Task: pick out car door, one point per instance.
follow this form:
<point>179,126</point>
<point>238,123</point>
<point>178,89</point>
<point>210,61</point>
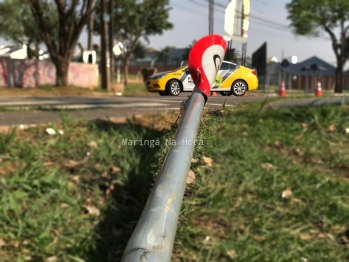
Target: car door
<point>187,80</point>
<point>225,74</point>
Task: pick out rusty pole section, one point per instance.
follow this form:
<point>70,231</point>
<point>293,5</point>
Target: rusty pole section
<point>153,237</point>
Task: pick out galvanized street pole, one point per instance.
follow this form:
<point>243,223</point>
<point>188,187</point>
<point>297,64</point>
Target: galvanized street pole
<point>153,237</point>
<point>210,16</point>
<point>243,54</point>
<point>105,52</point>
<point>155,232</point>
<point>111,38</point>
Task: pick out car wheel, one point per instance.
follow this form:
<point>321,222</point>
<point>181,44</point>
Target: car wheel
<point>163,93</point>
<point>239,88</point>
<point>226,93</point>
<point>173,87</point>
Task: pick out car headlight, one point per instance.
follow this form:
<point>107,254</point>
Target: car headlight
<point>157,76</point>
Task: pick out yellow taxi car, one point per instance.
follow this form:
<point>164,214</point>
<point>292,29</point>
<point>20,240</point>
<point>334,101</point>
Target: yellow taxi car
<point>232,79</point>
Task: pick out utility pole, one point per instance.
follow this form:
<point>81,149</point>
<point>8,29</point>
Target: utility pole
<point>111,38</point>
<point>105,57</point>
<point>243,55</point>
<point>230,50</point>
<point>210,16</point>
<point>90,33</point>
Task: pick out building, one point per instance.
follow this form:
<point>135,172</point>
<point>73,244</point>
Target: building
<point>304,75</point>
<point>13,52</point>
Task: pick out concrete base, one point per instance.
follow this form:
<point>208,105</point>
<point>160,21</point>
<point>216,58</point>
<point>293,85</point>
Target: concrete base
<point>117,87</point>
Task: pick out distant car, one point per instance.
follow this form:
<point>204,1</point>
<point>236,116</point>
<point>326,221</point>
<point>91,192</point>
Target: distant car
<point>232,79</point>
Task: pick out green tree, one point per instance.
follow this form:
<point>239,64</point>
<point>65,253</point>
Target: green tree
<point>232,55</point>
<point>17,25</point>
<point>134,20</point>
<point>139,51</point>
<point>311,17</point>
<point>164,54</point>
<point>61,35</point>
<point>187,51</point>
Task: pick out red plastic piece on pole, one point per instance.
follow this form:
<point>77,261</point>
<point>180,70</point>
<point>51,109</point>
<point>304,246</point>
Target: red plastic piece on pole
<point>205,59</point>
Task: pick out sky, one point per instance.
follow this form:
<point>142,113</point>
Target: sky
<point>268,23</point>
<point>190,19</point>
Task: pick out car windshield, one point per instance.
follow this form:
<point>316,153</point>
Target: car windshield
<point>225,66</point>
<point>183,67</point>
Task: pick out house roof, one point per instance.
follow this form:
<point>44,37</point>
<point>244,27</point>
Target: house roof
<point>151,50</point>
<point>310,66</point>
<point>13,52</point>
<point>5,51</point>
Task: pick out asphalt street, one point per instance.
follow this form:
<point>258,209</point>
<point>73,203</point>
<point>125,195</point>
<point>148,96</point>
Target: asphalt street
<point>49,109</point>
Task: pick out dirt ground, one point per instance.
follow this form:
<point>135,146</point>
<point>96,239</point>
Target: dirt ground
<point>51,91</point>
<point>154,121</point>
<point>149,120</point>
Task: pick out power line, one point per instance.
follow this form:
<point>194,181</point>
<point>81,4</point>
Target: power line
<point>189,10</point>
<point>254,16</point>
<point>269,23</point>
<point>222,19</point>
<point>197,3</point>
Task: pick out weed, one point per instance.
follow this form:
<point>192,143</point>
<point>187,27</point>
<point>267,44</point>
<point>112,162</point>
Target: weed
<point>224,107</point>
<point>137,89</point>
<point>276,190</point>
<point>46,87</point>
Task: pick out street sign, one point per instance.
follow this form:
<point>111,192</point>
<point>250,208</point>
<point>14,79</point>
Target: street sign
<point>205,60</point>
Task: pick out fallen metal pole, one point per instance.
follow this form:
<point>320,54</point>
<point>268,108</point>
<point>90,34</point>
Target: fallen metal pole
<point>153,237</point>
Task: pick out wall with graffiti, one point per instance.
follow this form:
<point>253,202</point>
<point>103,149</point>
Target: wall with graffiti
<point>33,73</point>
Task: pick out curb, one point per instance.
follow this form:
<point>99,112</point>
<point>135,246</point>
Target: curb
<point>309,102</point>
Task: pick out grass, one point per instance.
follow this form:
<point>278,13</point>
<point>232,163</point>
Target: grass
<point>73,196</point>
<point>298,92</point>
<point>45,91</point>
<point>137,89</point>
<point>135,86</point>
<point>46,87</point>
<point>277,189</point>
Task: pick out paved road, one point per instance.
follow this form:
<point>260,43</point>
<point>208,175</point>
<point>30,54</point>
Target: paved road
<point>112,101</point>
<point>103,107</point>
<point>98,107</point>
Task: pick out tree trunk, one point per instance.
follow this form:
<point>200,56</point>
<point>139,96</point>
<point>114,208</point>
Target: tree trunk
<point>127,63</point>
<point>339,76</point>
<point>37,49</point>
<point>62,66</point>
<point>29,55</point>
<point>71,22</point>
